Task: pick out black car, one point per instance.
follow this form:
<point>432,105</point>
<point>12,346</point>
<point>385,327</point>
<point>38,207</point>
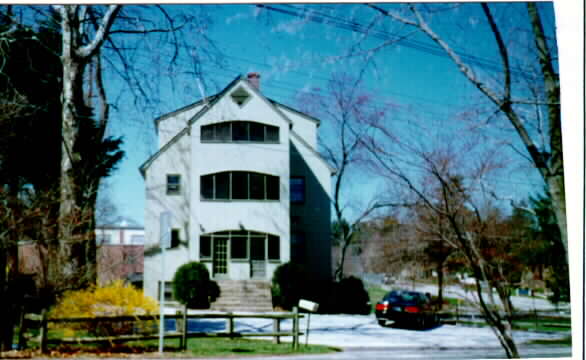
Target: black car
<point>406,308</point>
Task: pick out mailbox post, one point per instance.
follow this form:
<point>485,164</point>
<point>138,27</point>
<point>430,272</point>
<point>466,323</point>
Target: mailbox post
<point>310,306</point>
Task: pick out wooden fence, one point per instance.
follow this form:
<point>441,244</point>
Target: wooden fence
<point>181,331</point>
<point>542,317</point>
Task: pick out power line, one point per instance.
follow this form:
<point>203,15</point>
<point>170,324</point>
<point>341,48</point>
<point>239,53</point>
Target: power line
<point>350,25</point>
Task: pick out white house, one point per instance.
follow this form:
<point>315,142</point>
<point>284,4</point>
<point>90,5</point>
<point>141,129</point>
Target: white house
<point>247,190</point>
<point>120,233</point>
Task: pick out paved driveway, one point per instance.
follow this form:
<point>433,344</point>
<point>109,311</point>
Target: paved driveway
<point>347,331</point>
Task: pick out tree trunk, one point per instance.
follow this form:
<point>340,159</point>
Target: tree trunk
<point>339,274</point>
<point>72,105</point>
<point>558,197</point>
<point>8,290</point>
<point>502,330</point>
<point>440,283</point>
<point>555,169</point>
<point>4,303</point>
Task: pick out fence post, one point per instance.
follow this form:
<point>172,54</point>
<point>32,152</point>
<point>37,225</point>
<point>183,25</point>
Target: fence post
<point>276,329</point>
<point>43,334</point>
<point>184,330</point>
<point>22,331</point>
<point>534,310</point>
<point>230,324</point>
<point>295,328</point>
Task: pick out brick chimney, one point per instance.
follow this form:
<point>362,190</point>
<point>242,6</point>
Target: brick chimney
<point>254,80</point>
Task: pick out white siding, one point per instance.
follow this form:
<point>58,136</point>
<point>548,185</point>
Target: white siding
<point>172,125</point>
<point>314,212</point>
<point>175,160</point>
<point>191,159</point>
<point>303,126</point>
<point>273,159</point>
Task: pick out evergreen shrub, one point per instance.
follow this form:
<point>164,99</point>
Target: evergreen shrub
<point>192,286</point>
<point>289,284</point>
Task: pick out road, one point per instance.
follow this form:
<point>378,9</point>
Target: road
<point>533,351</point>
<point>433,354</point>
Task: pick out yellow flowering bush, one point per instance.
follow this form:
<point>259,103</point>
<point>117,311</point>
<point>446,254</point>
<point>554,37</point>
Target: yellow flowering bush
<point>114,299</point>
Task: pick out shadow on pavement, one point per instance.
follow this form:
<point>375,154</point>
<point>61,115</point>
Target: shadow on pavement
<point>413,326</point>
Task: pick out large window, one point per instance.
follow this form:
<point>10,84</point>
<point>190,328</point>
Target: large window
<point>240,131</point>
<point>239,185</point>
<point>241,243</point>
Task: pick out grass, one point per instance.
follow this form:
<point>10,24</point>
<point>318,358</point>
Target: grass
<point>227,347</point>
<point>567,341</point>
<point>199,347</point>
<point>561,325</point>
<point>543,324</point>
<point>375,294</point>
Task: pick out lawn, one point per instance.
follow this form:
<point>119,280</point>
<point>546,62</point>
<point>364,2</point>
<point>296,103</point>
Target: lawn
<point>225,347</point>
<point>375,293</point>
<point>542,324</point>
<point>563,341</point>
<point>199,347</point>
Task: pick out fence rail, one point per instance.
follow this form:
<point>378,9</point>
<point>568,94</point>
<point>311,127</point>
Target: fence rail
<point>181,327</point>
<point>544,318</point>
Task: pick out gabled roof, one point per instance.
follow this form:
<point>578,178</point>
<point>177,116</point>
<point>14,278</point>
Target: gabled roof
<point>184,108</point>
<point>227,89</point>
<point>153,157</point>
<point>209,103</point>
<point>318,155</point>
<point>306,116</point>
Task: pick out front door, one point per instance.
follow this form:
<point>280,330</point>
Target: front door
<point>220,263</point>
<point>257,258</point>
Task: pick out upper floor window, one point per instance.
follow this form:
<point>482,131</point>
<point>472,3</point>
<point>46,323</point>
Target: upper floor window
<point>297,190</point>
<point>239,185</point>
<point>173,184</point>
<point>240,131</point>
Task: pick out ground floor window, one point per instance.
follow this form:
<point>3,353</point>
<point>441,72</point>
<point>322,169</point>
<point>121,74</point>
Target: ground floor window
<point>241,245</point>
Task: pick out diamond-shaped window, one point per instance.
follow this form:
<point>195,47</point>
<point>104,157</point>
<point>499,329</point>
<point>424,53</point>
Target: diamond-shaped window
<point>240,96</point>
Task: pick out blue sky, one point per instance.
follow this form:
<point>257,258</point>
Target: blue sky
<point>296,53</point>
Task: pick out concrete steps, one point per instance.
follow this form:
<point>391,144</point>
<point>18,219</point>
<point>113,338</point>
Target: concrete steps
<point>244,295</point>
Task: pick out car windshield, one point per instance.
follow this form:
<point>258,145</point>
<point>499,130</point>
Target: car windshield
<point>406,297</point>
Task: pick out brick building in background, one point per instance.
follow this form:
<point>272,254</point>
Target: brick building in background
<point>120,254</point>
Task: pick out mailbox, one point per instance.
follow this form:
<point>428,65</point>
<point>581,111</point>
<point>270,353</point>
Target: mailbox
<point>308,305</point>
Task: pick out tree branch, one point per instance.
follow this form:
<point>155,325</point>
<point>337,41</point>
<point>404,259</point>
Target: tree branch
<point>90,49</point>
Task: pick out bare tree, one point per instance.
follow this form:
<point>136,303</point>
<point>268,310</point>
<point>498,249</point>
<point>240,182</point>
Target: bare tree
<point>530,100</point>
<point>10,106</point>
<point>92,40</point>
<point>448,182</point>
<point>346,108</point>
